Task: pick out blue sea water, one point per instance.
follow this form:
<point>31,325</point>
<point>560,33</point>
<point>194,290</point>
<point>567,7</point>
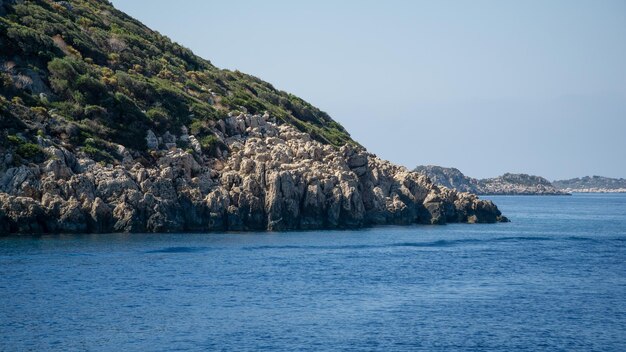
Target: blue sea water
<point>554,279</point>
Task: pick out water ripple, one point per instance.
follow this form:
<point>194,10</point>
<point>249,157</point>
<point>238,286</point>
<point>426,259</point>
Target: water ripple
<point>438,243</point>
<point>179,250</point>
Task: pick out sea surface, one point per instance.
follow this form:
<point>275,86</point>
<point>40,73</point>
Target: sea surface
<point>554,279</point>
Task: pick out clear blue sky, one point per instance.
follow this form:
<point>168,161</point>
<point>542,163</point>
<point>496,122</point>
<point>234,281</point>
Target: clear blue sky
<point>485,86</point>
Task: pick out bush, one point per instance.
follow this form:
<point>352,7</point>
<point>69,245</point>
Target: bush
<point>97,154</point>
<point>202,111</point>
<point>93,90</point>
<point>210,144</point>
<point>157,114</point>
<point>124,109</point>
<point>63,69</point>
<point>95,112</point>
<point>199,127</point>
<point>15,140</point>
<point>94,150</point>
<point>159,117</point>
<point>31,42</point>
<point>30,151</point>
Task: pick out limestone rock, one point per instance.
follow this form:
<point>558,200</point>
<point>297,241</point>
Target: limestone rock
<point>272,177</point>
<point>151,140</point>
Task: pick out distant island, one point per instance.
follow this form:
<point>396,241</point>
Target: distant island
<point>592,184</point>
<point>519,184</point>
<point>507,184</point>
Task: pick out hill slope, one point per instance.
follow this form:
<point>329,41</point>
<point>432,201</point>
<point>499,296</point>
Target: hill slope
<point>114,78</point>
<point>513,184</point>
<point>110,126</point>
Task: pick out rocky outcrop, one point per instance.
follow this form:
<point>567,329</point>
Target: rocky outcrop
<point>449,177</point>
<point>507,184</point>
<point>592,184</point>
<point>268,177</point>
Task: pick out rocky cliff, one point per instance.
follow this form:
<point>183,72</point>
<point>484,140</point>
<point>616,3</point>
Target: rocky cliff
<point>592,184</point>
<point>273,178</point>
<point>109,126</point>
<point>511,184</point>
<point>449,177</point>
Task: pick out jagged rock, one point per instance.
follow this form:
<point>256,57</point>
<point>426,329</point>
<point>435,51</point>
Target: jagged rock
<point>278,180</point>
<point>195,144</point>
<point>126,218</point>
<point>72,218</point>
<point>151,140</point>
<point>22,215</point>
<point>101,216</point>
<point>169,140</point>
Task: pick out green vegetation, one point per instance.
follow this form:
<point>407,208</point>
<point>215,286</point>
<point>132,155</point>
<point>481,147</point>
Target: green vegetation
<point>210,144</point>
<point>25,149</point>
<point>97,154</point>
<point>91,66</point>
<point>29,151</point>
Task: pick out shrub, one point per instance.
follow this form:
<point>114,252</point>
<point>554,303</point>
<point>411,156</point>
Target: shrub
<point>29,151</point>
<point>124,109</point>
<point>15,140</point>
<point>202,111</point>
<point>63,69</point>
<point>157,113</point>
<point>97,154</point>
<point>94,150</point>
<point>95,112</point>
<point>159,117</point>
<point>210,144</point>
<point>92,90</point>
<point>208,141</point>
<point>31,42</point>
<point>198,127</point>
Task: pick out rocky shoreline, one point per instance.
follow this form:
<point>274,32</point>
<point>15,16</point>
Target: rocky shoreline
<point>270,177</point>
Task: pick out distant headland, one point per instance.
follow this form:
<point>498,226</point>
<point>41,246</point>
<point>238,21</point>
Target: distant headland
<point>519,184</point>
<point>592,184</point>
<point>507,184</point>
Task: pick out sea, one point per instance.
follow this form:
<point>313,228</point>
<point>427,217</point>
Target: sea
<point>553,279</point>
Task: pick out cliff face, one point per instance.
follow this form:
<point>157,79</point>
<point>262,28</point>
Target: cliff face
<point>512,184</point>
<point>109,126</point>
<point>592,184</point>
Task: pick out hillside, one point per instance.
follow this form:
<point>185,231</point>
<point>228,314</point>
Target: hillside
<point>110,126</point>
<point>512,184</point>
<point>113,78</point>
<point>592,184</point>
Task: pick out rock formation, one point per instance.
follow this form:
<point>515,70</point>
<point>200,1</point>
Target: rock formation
<point>275,178</point>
